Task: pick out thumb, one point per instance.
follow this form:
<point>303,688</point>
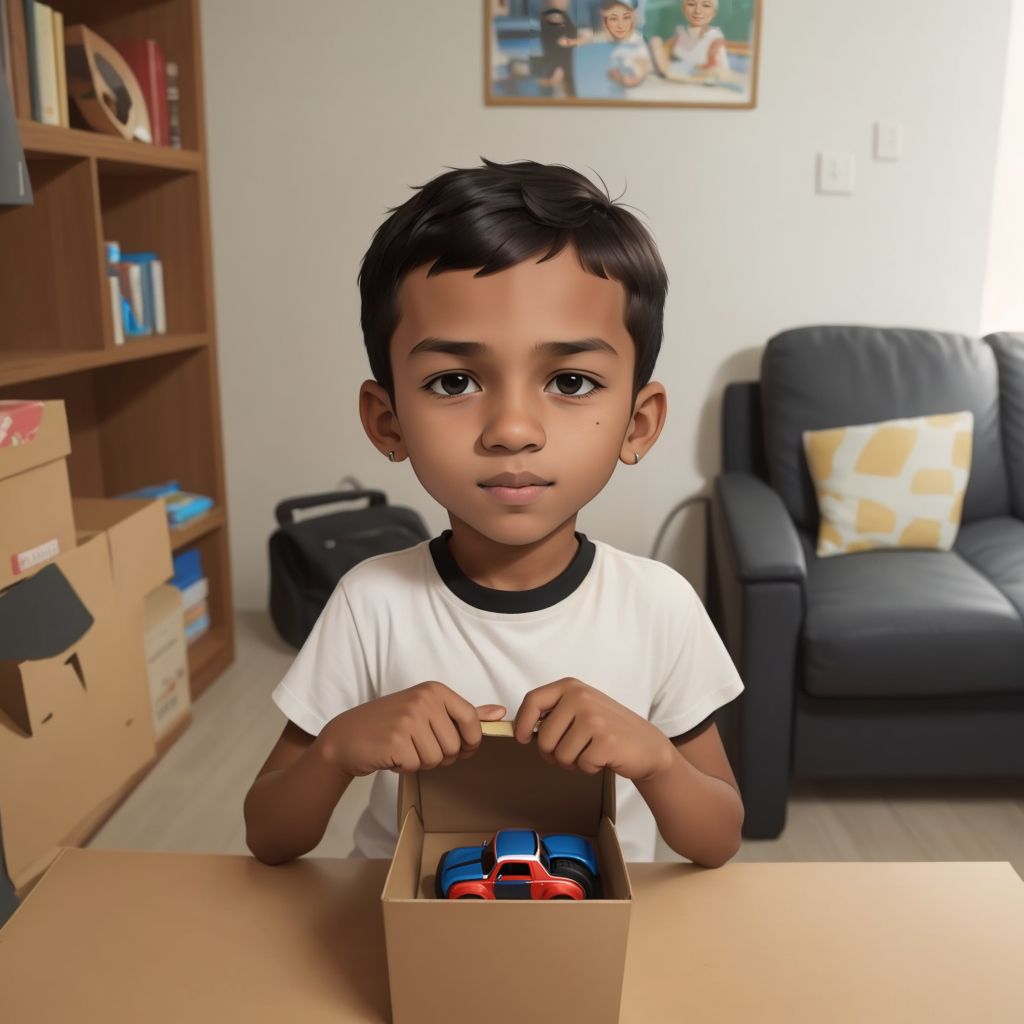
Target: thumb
<point>491,712</point>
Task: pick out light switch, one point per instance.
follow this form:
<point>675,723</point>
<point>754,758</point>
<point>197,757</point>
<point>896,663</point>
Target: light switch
<point>888,140</point>
<point>835,173</point>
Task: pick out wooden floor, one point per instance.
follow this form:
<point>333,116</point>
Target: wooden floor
<point>192,800</point>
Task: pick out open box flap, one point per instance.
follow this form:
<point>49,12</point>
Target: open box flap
<point>507,784</point>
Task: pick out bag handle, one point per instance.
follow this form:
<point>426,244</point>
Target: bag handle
<point>285,509</point>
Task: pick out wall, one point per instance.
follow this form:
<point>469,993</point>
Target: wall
<point>322,115</point>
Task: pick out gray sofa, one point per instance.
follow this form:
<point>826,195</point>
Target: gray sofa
<point>883,664</point>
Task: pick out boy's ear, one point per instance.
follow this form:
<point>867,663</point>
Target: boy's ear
<point>379,420</point>
<point>649,412</point>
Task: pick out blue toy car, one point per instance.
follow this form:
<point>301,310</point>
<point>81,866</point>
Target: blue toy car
<point>518,864</point>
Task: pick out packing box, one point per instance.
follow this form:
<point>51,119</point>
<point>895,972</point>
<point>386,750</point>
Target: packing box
<point>167,660</point>
<point>75,717</point>
<point>36,523</point>
<point>503,960</point>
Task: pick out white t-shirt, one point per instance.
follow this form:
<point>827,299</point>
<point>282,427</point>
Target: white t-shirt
<point>624,624</point>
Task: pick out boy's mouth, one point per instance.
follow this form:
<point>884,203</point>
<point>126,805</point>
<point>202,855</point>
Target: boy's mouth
<point>515,488</point>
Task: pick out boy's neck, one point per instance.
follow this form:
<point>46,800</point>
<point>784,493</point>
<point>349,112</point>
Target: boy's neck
<point>512,566</point>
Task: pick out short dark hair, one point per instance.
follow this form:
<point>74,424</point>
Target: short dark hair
<point>496,216</point>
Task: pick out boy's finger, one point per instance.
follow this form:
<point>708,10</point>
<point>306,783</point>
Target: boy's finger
<point>466,719</point>
<point>536,704</point>
<point>491,712</point>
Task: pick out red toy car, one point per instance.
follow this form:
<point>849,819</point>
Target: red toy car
<point>517,864</point>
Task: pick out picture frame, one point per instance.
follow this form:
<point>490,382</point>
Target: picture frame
<point>622,53</point>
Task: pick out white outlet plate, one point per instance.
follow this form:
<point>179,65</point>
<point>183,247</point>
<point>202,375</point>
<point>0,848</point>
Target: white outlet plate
<point>888,140</point>
<point>835,173</point>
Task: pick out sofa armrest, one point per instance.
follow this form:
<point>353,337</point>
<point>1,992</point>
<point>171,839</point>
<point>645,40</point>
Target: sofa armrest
<point>761,534</point>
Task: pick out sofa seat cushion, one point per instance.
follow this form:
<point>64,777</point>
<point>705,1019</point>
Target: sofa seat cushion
<point>995,547</point>
<point>907,624</point>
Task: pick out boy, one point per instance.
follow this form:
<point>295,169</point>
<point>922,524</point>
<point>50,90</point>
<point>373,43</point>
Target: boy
<point>512,315</point>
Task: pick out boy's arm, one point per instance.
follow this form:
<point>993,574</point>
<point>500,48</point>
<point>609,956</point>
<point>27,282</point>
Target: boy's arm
<point>695,798</point>
<point>686,782</point>
<point>293,797</point>
<point>288,807</point>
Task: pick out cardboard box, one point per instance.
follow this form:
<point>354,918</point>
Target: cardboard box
<point>76,724</point>
<point>503,961</point>
<point>167,659</point>
<point>36,523</point>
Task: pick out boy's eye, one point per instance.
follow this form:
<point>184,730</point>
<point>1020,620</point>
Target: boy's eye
<point>452,384</point>
<point>575,385</point>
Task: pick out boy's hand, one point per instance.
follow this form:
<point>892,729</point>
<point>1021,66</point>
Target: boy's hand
<point>583,729</point>
<point>418,728</point>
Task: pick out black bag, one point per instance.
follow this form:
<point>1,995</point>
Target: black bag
<point>307,558</point>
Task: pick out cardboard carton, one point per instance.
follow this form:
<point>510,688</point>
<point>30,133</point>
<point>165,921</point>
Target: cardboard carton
<point>36,524</point>
<point>75,717</point>
<point>167,660</point>
<point>503,961</point>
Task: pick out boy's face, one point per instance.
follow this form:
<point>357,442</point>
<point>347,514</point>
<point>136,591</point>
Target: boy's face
<point>618,20</point>
<point>511,408</point>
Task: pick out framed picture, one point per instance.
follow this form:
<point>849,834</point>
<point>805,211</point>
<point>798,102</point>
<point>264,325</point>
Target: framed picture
<point>654,53</point>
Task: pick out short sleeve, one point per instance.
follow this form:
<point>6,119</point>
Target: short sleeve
<point>702,678</point>
<point>330,674</point>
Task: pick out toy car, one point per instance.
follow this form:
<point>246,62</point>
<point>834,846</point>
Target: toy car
<point>517,864</point>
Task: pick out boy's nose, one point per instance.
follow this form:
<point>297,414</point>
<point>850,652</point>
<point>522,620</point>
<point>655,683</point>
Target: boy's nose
<point>513,425</point>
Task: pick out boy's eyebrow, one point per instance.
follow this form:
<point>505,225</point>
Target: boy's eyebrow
<point>478,348</point>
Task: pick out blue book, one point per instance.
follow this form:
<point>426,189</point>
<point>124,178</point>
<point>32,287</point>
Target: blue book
<point>144,260</point>
<point>188,568</point>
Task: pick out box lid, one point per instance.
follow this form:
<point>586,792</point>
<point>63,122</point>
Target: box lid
<point>507,784</point>
<point>138,538</point>
<point>31,434</point>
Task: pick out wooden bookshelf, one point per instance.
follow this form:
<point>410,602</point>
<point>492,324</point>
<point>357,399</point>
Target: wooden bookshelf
<point>148,410</point>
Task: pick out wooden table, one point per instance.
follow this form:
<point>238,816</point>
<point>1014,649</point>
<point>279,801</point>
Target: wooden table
<point>111,936</point>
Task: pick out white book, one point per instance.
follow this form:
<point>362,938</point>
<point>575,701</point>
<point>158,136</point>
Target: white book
<point>194,593</point>
<point>46,64</point>
<point>130,276</point>
<point>159,310</point>
<point>115,308</point>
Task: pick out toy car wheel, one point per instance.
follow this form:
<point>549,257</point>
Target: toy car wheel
<point>565,868</point>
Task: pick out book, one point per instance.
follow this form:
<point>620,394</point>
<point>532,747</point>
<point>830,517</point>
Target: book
<point>62,69</point>
<point>146,60</point>
<point>29,12</point>
<point>173,106</point>
<point>130,276</point>
<point>46,65</point>
<point>116,308</point>
<point>182,506</point>
<point>154,314</point>
<point>15,19</point>
<point>5,48</point>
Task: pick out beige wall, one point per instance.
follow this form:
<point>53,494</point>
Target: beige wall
<point>321,115</point>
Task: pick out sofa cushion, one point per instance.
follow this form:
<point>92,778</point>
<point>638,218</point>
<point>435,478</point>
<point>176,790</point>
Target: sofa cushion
<point>1009,351</point>
<point>813,378</point>
<point>907,623</point>
<point>995,547</point>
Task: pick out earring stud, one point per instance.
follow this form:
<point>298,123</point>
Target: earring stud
<point>636,458</point>
<point>391,456</point>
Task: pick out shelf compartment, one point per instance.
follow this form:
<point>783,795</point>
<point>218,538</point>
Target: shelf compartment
<point>53,290</point>
<point>174,25</point>
<point>162,214</point>
<point>138,423</point>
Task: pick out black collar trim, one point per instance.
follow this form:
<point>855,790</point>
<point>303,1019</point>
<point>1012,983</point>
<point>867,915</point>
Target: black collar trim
<point>511,601</point>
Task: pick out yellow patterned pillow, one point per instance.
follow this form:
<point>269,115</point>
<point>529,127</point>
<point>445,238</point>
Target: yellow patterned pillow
<point>897,484</point>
